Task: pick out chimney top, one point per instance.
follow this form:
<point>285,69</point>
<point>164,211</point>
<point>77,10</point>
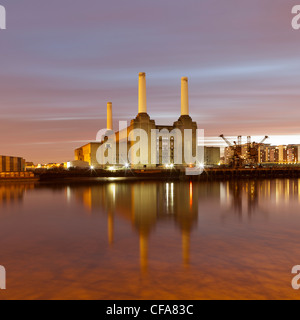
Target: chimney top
<point>184,96</point>
<point>142,93</point>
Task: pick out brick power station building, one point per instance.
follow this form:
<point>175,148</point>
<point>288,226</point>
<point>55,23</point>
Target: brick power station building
<point>164,141</point>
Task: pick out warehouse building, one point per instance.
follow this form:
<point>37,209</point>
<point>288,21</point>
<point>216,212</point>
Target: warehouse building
<point>11,164</point>
<point>212,156</point>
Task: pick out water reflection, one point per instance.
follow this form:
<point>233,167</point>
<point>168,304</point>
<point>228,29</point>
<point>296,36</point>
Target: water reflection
<point>144,205</point>
<point>11,193</point>
<point>132,239</point>
<point>245,197</point>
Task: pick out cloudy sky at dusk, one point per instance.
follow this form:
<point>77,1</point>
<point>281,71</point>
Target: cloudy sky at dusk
<point>62,60</point>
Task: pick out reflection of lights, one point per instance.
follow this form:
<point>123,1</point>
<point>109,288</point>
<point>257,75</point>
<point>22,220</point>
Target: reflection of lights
<point>170,198</point>
<point>68,194</point>
<point>112,188</point>
<point>224,194</point>
<point>113,178</point>
<point>111,169</point>
<point>167,194</point>
<point>110,225</point>
<point>191,194</point>
<point>172,194</point>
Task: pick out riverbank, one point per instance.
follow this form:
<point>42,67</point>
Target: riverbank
<point>210,174</point>
<point>207,175</point>
<point>18,177</point>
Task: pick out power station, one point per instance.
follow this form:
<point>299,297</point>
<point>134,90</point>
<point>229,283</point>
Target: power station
<point>166,144</point>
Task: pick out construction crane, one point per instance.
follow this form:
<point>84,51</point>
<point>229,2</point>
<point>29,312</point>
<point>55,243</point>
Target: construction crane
<point>226,140</point>
<point>236,151</point>
<point>238,158</point>
<point>264,139</point>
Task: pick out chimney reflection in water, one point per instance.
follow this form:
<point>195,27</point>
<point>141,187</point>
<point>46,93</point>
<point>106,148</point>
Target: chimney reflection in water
<point>110,213</point>
<point>144,204</point>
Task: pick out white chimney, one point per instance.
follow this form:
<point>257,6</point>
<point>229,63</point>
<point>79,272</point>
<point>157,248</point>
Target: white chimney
<point>142,93</point>
<point>109,116</point>
<point>184,96</point>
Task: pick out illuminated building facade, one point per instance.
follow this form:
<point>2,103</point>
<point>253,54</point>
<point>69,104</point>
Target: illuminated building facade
<point>11,164</point>
<point>283,154</point>
<point>166,142</point>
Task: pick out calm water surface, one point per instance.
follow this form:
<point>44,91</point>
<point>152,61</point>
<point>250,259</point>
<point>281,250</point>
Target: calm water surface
<point>150,240</point>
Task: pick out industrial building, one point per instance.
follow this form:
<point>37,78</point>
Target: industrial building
<point>212,156</point>
<point>76,164</point>
<point>239,155</point>
<point>166,142</point>
<point>11,164</point>
<point>282,154</point>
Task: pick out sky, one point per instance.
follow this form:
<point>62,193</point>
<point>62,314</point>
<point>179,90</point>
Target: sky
<point>62,60</point>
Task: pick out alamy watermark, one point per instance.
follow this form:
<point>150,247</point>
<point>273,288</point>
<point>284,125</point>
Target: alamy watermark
<point>2,18</point>
<point>295,280</point>
<point>151,148</point>
<point>296,18</point>
<point>2,278</point>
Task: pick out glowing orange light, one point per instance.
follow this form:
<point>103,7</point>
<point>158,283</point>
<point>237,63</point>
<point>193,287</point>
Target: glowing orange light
<point>191,194</point>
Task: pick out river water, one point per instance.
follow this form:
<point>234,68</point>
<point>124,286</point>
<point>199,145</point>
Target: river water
<point>120,239</point>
